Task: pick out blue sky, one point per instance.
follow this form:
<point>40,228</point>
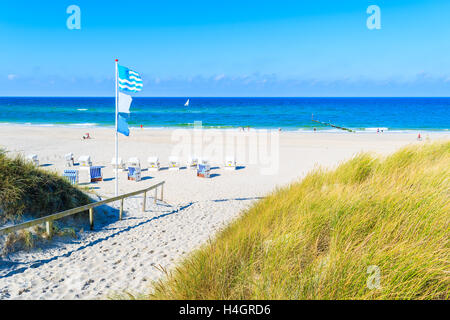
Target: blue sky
<point>227,48</point>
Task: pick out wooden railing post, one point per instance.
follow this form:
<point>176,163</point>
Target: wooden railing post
<point>156,194</point>
<point>143,204</point>
<point>49,228</point>
<point>162,192</point>
<point>121,209</point>
<point>91,218</point>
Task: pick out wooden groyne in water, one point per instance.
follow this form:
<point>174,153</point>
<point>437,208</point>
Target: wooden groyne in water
<point>331,125</point>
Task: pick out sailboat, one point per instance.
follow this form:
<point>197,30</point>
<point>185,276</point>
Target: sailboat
<point>187,103</point>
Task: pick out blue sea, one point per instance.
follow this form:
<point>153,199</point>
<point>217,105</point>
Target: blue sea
<point>361,114</point>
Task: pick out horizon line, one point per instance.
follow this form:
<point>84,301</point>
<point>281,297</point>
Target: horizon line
<point>232,97</point>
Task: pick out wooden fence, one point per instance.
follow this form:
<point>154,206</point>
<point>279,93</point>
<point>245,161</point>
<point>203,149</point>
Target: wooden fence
<point>48,220</point>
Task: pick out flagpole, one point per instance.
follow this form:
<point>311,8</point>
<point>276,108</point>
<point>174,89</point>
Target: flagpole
<point>117,138</point>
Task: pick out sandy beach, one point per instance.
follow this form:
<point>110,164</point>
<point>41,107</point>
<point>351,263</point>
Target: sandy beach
<point>129,254</point>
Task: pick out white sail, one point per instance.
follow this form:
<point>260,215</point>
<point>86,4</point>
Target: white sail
<point>187,103</point>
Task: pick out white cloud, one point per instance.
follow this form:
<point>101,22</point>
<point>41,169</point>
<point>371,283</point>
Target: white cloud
<point>219,77</point>
<point>12,76</point>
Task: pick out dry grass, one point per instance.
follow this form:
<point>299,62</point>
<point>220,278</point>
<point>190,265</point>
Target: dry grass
<point>317,239</point>
<point>25,189</point>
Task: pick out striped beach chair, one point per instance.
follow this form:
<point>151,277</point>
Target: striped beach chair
<point>203,170</point>
<point>71,175</point>
<point>134,173</point>
<point>96,173</point>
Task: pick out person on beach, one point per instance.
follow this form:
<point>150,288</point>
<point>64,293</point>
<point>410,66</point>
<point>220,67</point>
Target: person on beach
<point>86,136</point>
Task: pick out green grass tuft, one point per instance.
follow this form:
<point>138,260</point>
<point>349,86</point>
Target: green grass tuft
<point>25,189</point>
<point>320,238</point>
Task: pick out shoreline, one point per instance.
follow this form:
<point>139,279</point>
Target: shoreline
<point>218,128</point>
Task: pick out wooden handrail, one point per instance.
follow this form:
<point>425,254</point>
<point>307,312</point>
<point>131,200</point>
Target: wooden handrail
<point>49,219</point>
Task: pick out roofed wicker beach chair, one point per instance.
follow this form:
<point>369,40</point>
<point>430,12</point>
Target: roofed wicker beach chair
<point>85,161</point>
<point>134,173</point>
<point>153,163</point>
<point>71,175</point>
<point>174,163</point>
<point>96,173</point>
<point>204,161</point>
<point>203,170</point>
<point>69,159</point>
<point>134,162</point>
<point>34,159</point>
<point>230,163</point>
<point>119,165</point>
<point>192,162</point>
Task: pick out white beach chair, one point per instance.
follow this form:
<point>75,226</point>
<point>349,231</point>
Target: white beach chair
<point>119,165</point>
<point>69,159</point>
<point>230,163</point>
<point>174,163</point>
<point>203,161</point>
<point>192,162</point>
<point>134,162</point>
<point>153,163</point>
<point>34,159</point>
<point>85,161</point>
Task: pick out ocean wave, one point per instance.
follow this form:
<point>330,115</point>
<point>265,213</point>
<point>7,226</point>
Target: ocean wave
<point>190,126</point>
<point>375,129</point>
<point>87,124</point>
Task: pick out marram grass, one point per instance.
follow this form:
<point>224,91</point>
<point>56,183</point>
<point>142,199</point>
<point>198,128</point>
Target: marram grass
<point>371,229</point>
<point>27,190</point>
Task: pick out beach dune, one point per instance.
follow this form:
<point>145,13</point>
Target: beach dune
<point>129,254</point>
